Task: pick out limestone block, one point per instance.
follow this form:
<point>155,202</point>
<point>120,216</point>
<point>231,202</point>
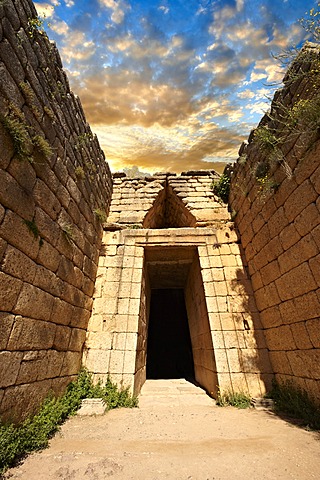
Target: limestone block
<point>113,274</point>
<point>220,288</point>
<point>225,383</point>
<point>62,338</point>
<point>211,214</point>
<point>71,363</point>
<point>296,282</point>
<point>105,306</point>
<point>134,306</point>
<point>9,367</point>
<point>116,361</point>
<point>280,338</point>
<point>62,312</point>
<point>212,305</point>
<point>280,362</point>
<point>91,406</point>
<point>30,334</point>
<point>239,382</point>
<point>14,197</point>
<point>207,275</point>
<point>227,321</point>
<point>48,256</point>
<point>301,336</point>
<point>254,339</point>
<point>223,304</point>
<point>22,400</point>
<point>77,340</point>
<point>230,339</point>
<point>129,361</point>
<point>31,296</point>
<point>46,199</point>
<point>6,323</point>
<point>131,341</point>
<point>313,328</point>
<point>218,339</point>
<point>305,363</point>
<point>99,340</point>
<point>48,228</point>
<point>97,360</point>
<point>18,265</point>
<point>9,292</point>
<point>302,196</point>
<point>221,360</point>
<point>119,341</point>
<point>303,250</point>
<point>226,234</point>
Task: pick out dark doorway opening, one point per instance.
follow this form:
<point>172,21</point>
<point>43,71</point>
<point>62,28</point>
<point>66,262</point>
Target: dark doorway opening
<point>169,351</point>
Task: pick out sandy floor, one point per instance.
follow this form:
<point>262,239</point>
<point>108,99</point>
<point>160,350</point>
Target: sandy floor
<point>168,439</point>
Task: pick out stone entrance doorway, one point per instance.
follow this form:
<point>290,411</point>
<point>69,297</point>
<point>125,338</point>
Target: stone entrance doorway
<point>228,347</point>
<point>169,350</point>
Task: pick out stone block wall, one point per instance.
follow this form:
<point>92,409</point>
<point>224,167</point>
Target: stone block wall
<point>278,219</point>
<point>54,187</point>
<point>166,201</point>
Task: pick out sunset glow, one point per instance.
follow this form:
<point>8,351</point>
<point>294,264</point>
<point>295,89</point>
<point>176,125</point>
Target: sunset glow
<point>170,85</point>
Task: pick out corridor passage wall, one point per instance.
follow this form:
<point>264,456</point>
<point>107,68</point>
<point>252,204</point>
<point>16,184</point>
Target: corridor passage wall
<point>54,187</point>
<point>275,199</point>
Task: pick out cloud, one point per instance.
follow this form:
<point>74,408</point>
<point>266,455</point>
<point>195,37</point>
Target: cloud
<point>164,9</point>
<point>246,94</point>
<point>118,9</point>
<point>45,10</point>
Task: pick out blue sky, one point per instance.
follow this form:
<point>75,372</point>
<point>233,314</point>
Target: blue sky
<point>170,85</point>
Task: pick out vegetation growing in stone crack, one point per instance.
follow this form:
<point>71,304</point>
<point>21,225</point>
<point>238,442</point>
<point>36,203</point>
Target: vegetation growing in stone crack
<point>79,173</point>
<point>221,187</point>
<point>18,132</point>
<point>101,214</point>
<point>42,146</point>
<point>33,228</point>
<point>34,432</point>
<point>67,231</point>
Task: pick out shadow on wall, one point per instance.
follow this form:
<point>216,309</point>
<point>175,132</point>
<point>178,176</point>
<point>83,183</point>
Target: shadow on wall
<point>253,352</point>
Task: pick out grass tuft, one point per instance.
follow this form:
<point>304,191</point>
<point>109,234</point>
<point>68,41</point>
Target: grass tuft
<point>42,146</point>
<point>234,399</point>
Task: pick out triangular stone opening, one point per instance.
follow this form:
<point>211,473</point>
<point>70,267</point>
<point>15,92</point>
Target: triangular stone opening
<point>168,211</point>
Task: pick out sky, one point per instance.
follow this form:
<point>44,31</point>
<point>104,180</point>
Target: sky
<point>173,85</point>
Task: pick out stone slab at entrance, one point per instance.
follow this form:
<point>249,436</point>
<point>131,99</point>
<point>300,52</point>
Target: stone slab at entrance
<point>173,393</point>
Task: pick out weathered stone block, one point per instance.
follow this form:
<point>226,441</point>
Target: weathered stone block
<point>296,282</point>
<point>9,367</point>
<point>280,338</point>
<point>9,291</point>
<point>61,338</point>
<point>15,231</point>
<point>29,334</point>
<point>71,363</point>
<point>97,361</point>
<point>31,296</point>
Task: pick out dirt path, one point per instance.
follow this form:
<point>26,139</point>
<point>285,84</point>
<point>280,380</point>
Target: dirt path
<point>167,439</point>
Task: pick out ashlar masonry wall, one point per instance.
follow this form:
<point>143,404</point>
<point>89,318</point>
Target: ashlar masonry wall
<point>278,218</point>
<point>54,184</point>
<point>204,259</point>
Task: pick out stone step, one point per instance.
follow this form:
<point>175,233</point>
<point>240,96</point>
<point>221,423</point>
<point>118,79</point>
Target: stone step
<point>173,393</point>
